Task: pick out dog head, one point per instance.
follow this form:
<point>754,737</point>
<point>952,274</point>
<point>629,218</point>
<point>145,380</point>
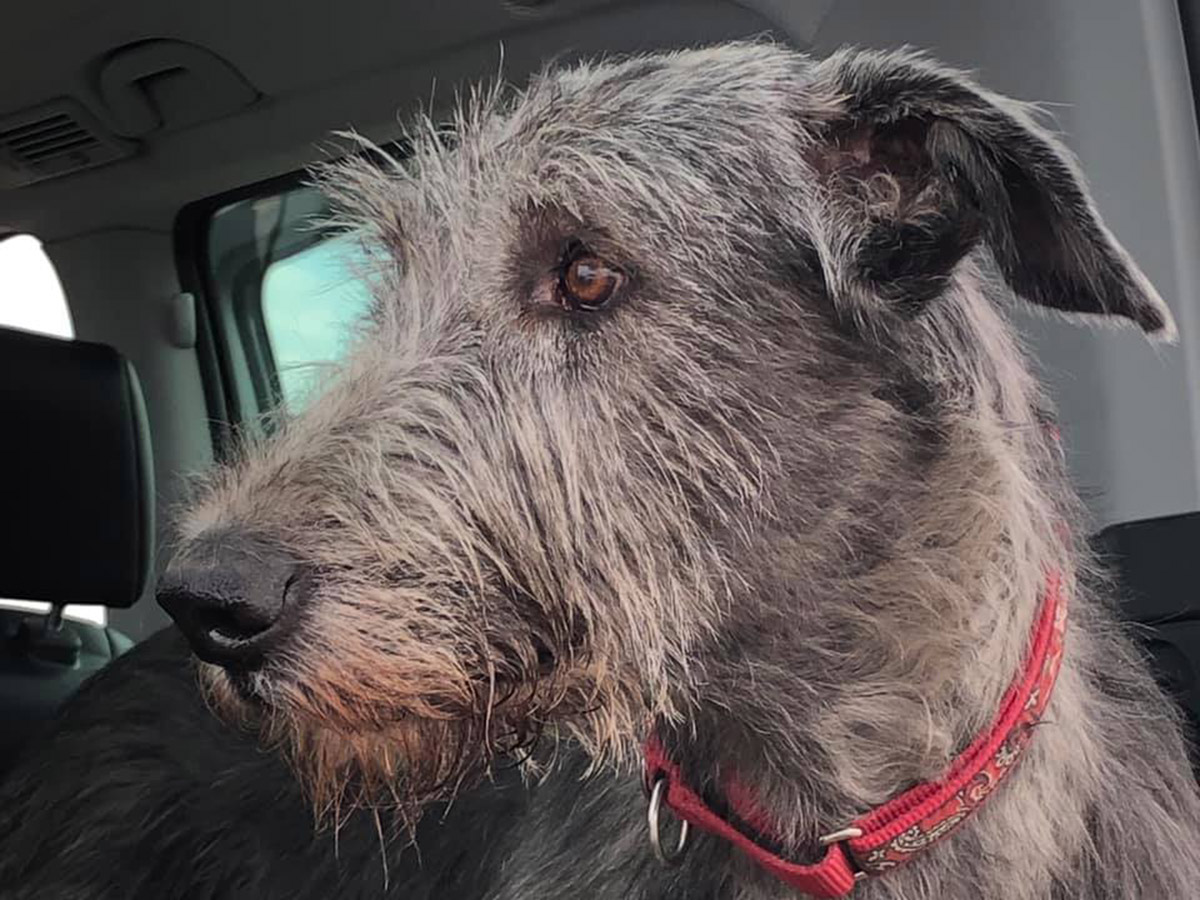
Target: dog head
<point>662,355</point>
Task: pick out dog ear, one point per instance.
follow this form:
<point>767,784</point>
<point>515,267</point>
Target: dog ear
<point>923,165</point>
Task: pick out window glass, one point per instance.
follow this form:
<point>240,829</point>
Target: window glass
<point>288,290</point>
<point>311,304</point>
<point>31,298</point>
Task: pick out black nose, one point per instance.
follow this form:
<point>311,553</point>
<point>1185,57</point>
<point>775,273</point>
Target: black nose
<point>235,606</point>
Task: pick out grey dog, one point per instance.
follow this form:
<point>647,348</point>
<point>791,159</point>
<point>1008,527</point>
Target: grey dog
<point>687,410</point>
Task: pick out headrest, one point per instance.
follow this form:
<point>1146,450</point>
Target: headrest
<point>1156,560</point>
<point>76,479</point>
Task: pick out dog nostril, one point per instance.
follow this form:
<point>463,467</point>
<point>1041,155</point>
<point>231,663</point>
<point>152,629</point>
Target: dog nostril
<point>241,620</point>
<point>234,621</point>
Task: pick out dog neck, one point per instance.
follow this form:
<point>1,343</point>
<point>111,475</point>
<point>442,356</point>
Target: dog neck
<point>937,668</point>
<point>891,835</point>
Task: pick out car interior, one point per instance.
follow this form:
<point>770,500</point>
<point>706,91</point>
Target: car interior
<point>159,155</point>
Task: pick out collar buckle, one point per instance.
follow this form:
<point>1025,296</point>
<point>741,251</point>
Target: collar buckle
<point>840,836</point>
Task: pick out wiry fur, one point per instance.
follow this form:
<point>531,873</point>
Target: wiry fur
<point>790,502</point>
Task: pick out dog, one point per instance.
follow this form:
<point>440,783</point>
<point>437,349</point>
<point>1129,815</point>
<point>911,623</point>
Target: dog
<point>686,471</point>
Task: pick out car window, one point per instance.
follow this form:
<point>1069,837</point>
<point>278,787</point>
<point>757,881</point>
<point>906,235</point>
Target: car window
<point>311,304</point>
<point>32,299</point>
<point>288,290</point>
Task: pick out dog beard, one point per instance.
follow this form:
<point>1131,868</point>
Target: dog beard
<point>399,766</point>
<point>349,750</point>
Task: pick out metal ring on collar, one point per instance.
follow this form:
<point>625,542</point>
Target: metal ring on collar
<point>674,857</point>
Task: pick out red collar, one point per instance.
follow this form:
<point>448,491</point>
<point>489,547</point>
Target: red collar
<point>894,833</point>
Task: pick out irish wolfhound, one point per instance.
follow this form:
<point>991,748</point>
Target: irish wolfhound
<point>687,450</point>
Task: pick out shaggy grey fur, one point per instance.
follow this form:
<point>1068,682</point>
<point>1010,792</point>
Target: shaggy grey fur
<point>786,500</point>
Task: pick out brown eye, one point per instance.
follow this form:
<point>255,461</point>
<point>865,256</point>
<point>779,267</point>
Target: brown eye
<point>587,282</point>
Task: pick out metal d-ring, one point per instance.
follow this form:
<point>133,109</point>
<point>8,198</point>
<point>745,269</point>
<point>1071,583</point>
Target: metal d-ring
<point>675,856</point>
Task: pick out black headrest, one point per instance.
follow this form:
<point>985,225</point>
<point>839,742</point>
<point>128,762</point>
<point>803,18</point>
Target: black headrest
<point>1157,560</point>
<point>76,479</point>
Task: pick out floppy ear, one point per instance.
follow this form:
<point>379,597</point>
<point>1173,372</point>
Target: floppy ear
<point>923,165</point>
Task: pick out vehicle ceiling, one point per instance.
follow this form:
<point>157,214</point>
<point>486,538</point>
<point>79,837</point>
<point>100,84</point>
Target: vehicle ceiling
<point>318,68</point>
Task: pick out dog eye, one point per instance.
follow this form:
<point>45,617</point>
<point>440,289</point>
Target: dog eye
<point>586,282</point>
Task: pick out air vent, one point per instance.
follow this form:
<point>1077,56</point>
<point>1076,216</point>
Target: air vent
<point>53,140</point>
